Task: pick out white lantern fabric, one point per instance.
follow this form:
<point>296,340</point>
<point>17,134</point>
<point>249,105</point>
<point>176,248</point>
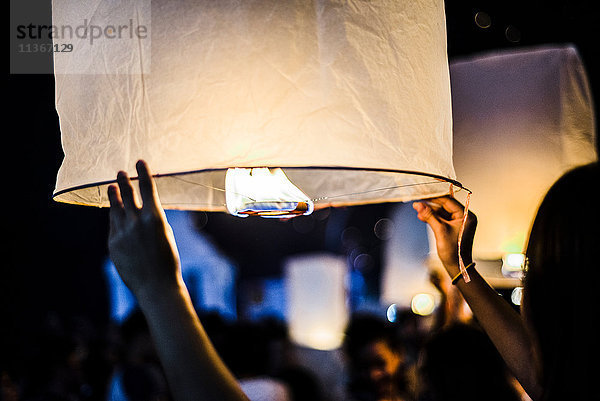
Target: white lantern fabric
<point>405,259</point>
<point>317,311</point>
<point>521,119</point>
<point>351,99</point>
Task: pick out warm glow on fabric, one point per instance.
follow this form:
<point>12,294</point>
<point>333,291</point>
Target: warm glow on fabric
<point>350,99</point>
<point>521,119</point>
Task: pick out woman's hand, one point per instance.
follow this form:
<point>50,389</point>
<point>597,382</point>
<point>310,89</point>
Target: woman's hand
<point>141,242</point>
<point>445,216</point>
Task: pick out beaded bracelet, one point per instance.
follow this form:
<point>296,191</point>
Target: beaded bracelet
<point>459,275</point>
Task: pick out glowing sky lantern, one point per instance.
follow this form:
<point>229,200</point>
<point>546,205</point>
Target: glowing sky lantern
<point>521,119</point>
<point>317,309</point>
<point>350,100</point>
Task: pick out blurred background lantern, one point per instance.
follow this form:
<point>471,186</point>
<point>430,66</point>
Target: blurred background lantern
<point>351,100</point>
<point>405,272</point>
<point>521,119</point>
<point>317,311</point>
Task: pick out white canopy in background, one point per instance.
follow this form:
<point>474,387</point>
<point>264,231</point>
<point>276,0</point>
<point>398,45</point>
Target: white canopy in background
<point>342,95</point>
<point>405,273</point>
<point>521,119</point>
<point>317,311</point>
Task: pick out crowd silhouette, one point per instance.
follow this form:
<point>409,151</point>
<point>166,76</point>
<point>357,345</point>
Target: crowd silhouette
<point>71,359</point>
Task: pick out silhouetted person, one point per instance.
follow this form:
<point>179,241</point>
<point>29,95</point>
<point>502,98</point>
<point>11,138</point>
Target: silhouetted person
<point>460,363</point>
<point>376,360</point>
<point>137,376</point>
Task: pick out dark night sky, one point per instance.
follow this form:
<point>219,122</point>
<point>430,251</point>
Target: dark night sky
<point>55,251</point>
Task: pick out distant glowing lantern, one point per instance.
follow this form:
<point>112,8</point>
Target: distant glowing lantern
<point>405,254</point>
<point>521,119</point>
<point>340,103</point>
<point>316,293</point>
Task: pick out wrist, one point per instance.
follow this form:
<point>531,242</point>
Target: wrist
<point>453,268</point>
<point>149,295</point>
<point>463,274</point>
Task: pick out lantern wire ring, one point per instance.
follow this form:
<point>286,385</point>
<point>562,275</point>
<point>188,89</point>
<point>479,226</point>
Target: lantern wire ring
<point>327,197</point>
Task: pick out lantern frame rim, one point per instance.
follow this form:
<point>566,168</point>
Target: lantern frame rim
<point>438,177</point>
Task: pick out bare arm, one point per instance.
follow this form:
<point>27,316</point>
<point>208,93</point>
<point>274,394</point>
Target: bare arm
<point>501,322</point>
<point>143,249</point>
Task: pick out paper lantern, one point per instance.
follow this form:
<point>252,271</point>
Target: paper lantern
<point>317,311</point>
<point>351,100</point>
<point>405,271</point>
<point>521,119</point>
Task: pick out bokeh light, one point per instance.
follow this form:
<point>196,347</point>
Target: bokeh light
<point>391,313</point>
<point>483,20</point>
<point>517,295</point>
<point>384,229</point>
<point>423,304</point>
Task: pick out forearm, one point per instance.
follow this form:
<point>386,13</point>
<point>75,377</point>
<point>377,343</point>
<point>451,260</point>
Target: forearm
<point>142,246</point>
<point>193,368</point>
<point>504,326</point>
